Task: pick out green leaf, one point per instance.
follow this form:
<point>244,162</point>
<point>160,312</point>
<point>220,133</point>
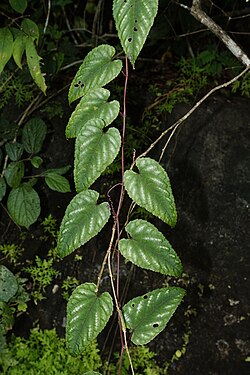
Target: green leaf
<point>2,188</point>
<point>8,284</point>
<point>151,189</point>
<point>146,316</point>
<point>133,20</point>
<point>18,5</point>
<point>94,152</point>
<point>82,221</point>
<point>96,71</point>
<point>6,47</point>
<point>87,315</point>
<point>33,135</point>
<point>33,60</point>
<point>19,48</point>
<point>24,205</point>
<point>92,373</point>
<point>36,161</point>
<point>14,173</point>
<point>14,150</point>
<point>30,29</point>
<point>57,182</point>
<point>148,248</point>
<point>93,105</point>
<point>61,170</point>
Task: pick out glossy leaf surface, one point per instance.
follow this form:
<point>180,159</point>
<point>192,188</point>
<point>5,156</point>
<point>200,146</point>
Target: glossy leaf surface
<point>94,152</point>
<point>33,60</point>
<point>97,69</point>
<point>24,205</point>
<point>83,219</point>
<point>134,19</point>
<point>87,315</point>
<point>6,47</point>
<point>150,189</point>
<point>148,248</point>
<point>33,135</point>
<point>93,105</point>
<point>146,316</point>
<point>8,284</point>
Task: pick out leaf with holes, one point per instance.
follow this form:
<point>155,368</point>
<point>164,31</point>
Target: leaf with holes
<point>6,47</point>
<point>33,60</point>
<point>87,315</point>
<point>151,189</point>
<point>134,19</point>
<point>146,316</point>
<point>82,221</point>
<point>24,205</point>
<point>8,284</point>
<point>148,248</point>
<point>33,135</point>
<point>97,69</point>
<point>95,150</point>
<point>93,105</point>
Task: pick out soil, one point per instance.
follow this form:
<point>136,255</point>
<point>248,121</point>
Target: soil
<point>208,161</point>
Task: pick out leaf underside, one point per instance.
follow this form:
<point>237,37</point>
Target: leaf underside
<point>94,152</point>
<point>92,106</point>
<point>148,248</point>
<point>87,315</point>
<point>146,316</point>
<point>82,221</point>
<point>97,70</point>
<point>134,19</point>
<point>151,189</point>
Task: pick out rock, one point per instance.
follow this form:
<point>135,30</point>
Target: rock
<point>208,161</point>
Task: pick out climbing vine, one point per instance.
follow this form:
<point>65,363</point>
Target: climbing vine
<point>145,182</point>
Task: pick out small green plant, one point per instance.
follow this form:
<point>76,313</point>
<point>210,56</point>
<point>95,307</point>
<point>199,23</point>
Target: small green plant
<point>11,253</point>
<point>22,154</point>
<point>42,275</point>
<point>50,226</point>
<point>145,182</point>
<point>14,41</point>
<point>13,301</point>
<point>242,86</point>
<point>44,353</point>
<point>68,285</point>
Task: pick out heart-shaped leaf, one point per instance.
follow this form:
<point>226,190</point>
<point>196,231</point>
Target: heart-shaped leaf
<point>146,316</point>
<point>148,248</point>
<point>94,152</point>
<point>83,219</point>
<point>151,189</point>
<point>87,315</point>
<point>93,105</point>
<point>97,69</point>
<point>134,19</point>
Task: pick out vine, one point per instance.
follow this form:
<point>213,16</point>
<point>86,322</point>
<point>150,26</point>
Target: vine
<point>145,182</point>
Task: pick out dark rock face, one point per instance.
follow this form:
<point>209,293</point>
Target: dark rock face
<point>208,161</point>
